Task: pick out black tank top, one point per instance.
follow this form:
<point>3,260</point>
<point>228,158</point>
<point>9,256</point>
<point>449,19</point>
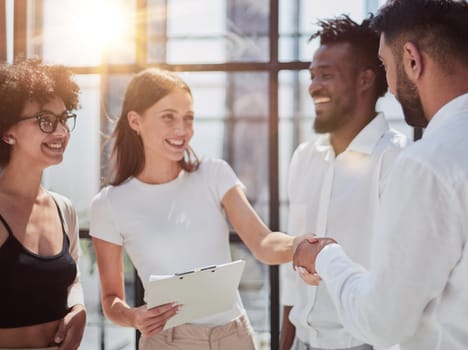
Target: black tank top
<point>33,288</point>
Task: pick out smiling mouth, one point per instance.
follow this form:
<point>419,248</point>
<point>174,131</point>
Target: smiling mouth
<point>176,143</point>
<point>321,100</point>
<point>57,146</point>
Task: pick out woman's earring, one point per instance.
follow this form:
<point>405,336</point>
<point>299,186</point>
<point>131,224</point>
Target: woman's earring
<point>9,140</point>
<point>138,133</point>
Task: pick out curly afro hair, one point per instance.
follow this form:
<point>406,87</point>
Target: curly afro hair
<point>31,80</point>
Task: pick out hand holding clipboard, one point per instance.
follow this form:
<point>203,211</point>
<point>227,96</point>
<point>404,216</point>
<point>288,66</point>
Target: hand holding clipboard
<point>202,292</point>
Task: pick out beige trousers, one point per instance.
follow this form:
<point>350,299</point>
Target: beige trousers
<point>235,335</point>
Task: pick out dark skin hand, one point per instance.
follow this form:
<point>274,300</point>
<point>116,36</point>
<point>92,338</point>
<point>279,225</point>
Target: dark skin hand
<point>288,331</point>
<point>305,255</point>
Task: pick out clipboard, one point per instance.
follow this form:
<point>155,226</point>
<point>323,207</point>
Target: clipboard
<point>202,292</point>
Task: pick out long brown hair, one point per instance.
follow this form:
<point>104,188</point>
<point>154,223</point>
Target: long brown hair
<point>143,91</point>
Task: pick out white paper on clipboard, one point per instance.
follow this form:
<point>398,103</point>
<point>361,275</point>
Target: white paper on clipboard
<point>202,292</point>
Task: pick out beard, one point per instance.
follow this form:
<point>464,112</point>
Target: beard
<point>332,120</point>
<point>407,95</point>
<point>329,125</point>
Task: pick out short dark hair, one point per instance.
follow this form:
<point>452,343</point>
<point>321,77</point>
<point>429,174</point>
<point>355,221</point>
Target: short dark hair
<point>143,91</point>
<point>438,27</point>
<point>31,80</point>
<point>363,40</point>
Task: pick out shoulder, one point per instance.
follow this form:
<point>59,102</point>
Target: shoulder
<point>396,139</point>
<point>70,219</point>
<point>63,202</point>
<point>218,176</point>
<point>213,163</point>
<point>101,202</point>
<point>213,166</point>
<point>303,152</point>
<point>109,192</point>
<point>391,145</point>
<point>104,193</point>
<point>305,149</point>
<point>433,157</point>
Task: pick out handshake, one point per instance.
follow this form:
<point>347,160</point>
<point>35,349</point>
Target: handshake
<point>306,249</point>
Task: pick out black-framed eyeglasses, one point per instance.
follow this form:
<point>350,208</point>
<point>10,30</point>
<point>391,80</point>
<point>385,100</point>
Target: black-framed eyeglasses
<point>48,121</point>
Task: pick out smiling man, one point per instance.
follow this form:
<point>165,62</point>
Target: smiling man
<point>335,182</point>
<point>415,292</point>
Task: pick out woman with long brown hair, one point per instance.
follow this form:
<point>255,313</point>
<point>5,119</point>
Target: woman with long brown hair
<point>168,211</point>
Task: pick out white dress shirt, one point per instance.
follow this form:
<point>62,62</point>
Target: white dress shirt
<point>416,290</point>
<point>335,195</point>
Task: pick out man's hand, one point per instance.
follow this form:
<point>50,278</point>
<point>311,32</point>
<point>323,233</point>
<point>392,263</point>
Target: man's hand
<point>288,330</point>
<point>309,278</point>
<point>307,251</point>
<point>298,239</point>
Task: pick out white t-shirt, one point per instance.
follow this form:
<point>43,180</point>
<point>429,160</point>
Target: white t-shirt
<point>335,196</point>
<point>416,290</point>
<point>172,227</point>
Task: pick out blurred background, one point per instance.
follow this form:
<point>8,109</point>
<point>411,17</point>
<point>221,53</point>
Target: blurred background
<point>246,62</point>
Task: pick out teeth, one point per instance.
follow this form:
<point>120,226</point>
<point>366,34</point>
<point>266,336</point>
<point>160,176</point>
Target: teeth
<point>318,100</point>
<point>54,145</point>
<point>176,142</point>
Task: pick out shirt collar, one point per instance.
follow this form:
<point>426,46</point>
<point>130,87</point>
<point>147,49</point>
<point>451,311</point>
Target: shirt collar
<point>443,114</point>
<point>365,141</point>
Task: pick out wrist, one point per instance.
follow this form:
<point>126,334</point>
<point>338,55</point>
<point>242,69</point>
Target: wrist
<point>77,308</point>
<point>132,316</point>
<point>323,242</point>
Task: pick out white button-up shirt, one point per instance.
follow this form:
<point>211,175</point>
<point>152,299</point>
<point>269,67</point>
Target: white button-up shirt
<point>416,290</point>
<point>337,196</point>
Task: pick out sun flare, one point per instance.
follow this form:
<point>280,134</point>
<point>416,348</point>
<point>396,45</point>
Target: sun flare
<point>101,24</point>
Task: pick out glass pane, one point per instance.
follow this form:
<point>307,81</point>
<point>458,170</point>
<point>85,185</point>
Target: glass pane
<point>208,31</point>
<point>296,114</point>
<point>82,33</point>
<point>115,90</point>
<point>298,18</point>
<point>77,177</point>
<point>231,122</point>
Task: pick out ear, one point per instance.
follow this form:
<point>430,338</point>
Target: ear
<point>8,139</point>
<point>366,79</point>
<point>134,120</point>
<point>412,61</point>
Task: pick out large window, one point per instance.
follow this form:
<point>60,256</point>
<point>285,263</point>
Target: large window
<point>246,62</point>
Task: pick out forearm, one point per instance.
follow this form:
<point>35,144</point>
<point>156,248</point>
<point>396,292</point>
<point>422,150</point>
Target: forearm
<point>119,312</point>
<point>275,248</point>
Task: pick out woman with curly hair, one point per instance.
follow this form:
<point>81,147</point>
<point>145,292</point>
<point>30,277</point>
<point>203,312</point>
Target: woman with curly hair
<point>41,300</point>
